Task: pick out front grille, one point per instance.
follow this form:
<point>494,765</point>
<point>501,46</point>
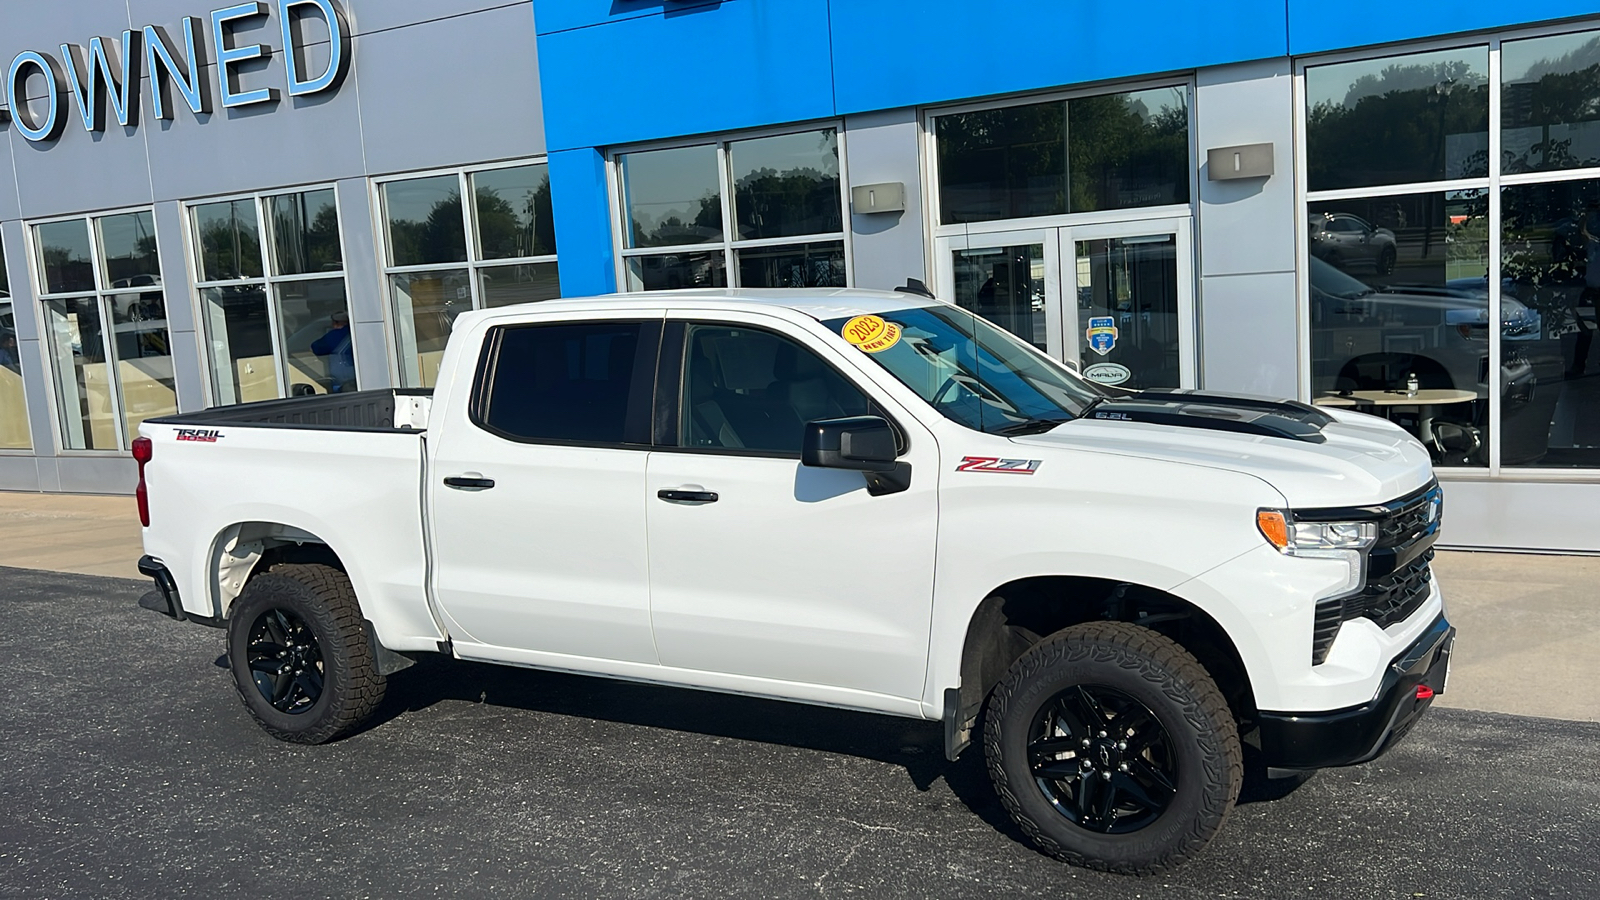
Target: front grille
<point>1399,579</point>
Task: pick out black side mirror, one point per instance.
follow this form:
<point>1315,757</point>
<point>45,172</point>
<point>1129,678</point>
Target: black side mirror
<point>860,443</point>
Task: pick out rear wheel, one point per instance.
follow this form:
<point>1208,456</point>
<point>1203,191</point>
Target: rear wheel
<point>298,649</point>
<point>1112,748</point>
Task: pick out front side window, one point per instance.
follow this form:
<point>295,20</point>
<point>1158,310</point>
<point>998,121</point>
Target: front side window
<point>1106,152</point>
<point>562,383</point>
<point>444,257</point>
<point>783,193</point>
<point>272,292</point>
<point>751,390</point>
<point>106,327</point>
<point>970,371</point>
<point>14,433</point>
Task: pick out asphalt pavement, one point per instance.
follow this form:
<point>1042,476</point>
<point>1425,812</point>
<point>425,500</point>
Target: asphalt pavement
<point>129,768</point>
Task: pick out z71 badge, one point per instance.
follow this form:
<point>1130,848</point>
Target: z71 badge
<point>998,465</point>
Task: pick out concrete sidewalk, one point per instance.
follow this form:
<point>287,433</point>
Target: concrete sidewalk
<point>1529,626</point>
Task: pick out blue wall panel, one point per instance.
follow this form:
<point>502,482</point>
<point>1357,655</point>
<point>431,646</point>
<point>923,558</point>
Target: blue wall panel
<point>1316,26</point>
<point>581,207</point>
<point>565,15</point>
<point>705,69</point>
<point>890,53</point>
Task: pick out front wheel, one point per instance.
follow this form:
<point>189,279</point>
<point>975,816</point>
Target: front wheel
<point>1112,748</point>
<point>300,656</point>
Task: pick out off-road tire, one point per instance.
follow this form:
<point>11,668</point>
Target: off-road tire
<point>1171,684</point>
<point>322,598</point>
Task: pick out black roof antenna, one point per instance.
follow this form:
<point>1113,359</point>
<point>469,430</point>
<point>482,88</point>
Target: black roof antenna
<point>915,286</point>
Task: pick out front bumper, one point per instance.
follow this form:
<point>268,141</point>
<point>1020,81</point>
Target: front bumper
<point>1356,735</point>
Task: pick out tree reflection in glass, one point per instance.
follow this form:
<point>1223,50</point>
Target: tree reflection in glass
<point>786,185</point>
<point>1550,103</point>
<point>671,197</point>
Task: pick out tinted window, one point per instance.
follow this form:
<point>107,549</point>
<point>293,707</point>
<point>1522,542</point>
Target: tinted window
<point>1005,163</point>
<point>562,382</point>
<point>1550,105</point>
<point>752,390</point>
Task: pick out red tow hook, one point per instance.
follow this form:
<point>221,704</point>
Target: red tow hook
<point>1424,692</point>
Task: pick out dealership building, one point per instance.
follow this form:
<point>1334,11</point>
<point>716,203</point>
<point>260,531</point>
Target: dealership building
<point>1386,207</point>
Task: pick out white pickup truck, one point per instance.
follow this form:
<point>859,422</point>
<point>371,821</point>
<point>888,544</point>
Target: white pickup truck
<point>867,500</point>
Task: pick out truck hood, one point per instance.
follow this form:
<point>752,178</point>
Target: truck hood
<point>1341,458</point>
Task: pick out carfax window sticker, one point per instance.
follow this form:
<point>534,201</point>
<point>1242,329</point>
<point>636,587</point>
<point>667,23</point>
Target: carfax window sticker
<point>998,465</point>
<point>871,334</point>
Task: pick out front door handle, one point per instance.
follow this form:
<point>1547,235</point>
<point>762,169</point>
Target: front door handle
<point>469,482</point>
<point>687,496</point>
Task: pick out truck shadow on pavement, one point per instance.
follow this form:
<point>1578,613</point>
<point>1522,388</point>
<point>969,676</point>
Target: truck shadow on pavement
<point>916,746</point>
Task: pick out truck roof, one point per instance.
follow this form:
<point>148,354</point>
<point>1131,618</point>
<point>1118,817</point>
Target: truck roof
<point>819,303</point>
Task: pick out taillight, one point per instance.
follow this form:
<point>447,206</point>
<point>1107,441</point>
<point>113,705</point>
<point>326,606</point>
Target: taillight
<point>143,450</point>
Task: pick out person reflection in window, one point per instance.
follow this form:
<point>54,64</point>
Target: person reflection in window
<point>8,352</point>
<point>336,346</point>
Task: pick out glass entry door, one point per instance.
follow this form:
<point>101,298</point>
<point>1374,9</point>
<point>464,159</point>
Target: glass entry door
<point>1117,301</point>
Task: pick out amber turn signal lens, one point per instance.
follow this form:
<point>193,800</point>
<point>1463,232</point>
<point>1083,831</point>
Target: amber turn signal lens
<point>1274,527</point>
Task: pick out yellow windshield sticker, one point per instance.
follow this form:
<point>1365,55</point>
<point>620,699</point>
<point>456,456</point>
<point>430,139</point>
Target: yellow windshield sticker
<point>871,333</point>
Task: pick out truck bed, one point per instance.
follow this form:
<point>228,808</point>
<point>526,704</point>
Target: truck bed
<point>388,409</point>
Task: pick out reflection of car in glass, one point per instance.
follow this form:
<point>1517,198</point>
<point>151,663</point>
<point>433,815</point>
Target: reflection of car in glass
<point>1345,241</point>
<point>1367,339</point>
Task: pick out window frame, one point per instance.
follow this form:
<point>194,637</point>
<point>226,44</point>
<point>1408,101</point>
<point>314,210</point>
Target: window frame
<point>1493,184</point>
<point>672,385</point>
<point>268,279</point>
<point>101,294</point>
<point>641,389</point>
<point>930,162</point>
<point>473,264</point>
<point>729,245</point>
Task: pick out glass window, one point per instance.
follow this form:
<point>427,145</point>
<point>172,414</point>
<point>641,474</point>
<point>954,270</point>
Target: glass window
<point>1128,150</point>
<point>287,332</point>
<point>109,342</point>
<point>65,263</point>
<point>425,221</point>
<point>1008,163</point>
<point>1111,151</point>
<point>786,185</point>
<point>14,434</point>
<point>509,257</point>
<point>565,383</point>
<point>792,265</point>
<point>530,283</point>
<point>782,187</point>
<point>753,390</point>
<point>1550,102</point>
<point>228,239</point>
<point>671,197</point>
<point>305,233</point>
<point>1400,119</point>
<point>669,271</point>
<point>1550,292</point>
<point>1400,302</point>
<point>513,213</point>
<point>1006,286</point>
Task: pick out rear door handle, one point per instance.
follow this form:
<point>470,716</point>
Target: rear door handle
<point>469,482</point>
<point>684,496</point>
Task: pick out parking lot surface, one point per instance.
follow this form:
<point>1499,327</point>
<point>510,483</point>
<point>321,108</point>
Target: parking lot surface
<point>128,768</point>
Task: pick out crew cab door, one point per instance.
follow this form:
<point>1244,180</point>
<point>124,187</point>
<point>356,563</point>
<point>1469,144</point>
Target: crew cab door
<point>537,485</point>
<point>760,566</point>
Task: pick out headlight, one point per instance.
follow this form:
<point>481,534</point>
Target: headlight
<point>1307,538</point>
<point>1344,541</point>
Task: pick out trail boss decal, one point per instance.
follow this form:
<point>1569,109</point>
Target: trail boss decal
<point>998,465</point>
<point>203,436</point>
<point>871,334</point>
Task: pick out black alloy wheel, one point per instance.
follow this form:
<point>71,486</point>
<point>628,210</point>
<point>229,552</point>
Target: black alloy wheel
<point>1102,759</point>
<point>285,661</point>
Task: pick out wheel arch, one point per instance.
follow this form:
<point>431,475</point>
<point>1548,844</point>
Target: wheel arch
<point>1019,614</point>
<point>244,550</point>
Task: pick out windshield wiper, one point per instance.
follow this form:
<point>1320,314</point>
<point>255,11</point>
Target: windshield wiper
<point>1032,426</point>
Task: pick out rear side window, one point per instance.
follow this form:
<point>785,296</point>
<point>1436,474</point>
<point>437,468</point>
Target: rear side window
<point>567,383</point>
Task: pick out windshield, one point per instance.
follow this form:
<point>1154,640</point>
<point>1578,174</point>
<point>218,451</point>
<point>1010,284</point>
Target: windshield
<point>970,371</point>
